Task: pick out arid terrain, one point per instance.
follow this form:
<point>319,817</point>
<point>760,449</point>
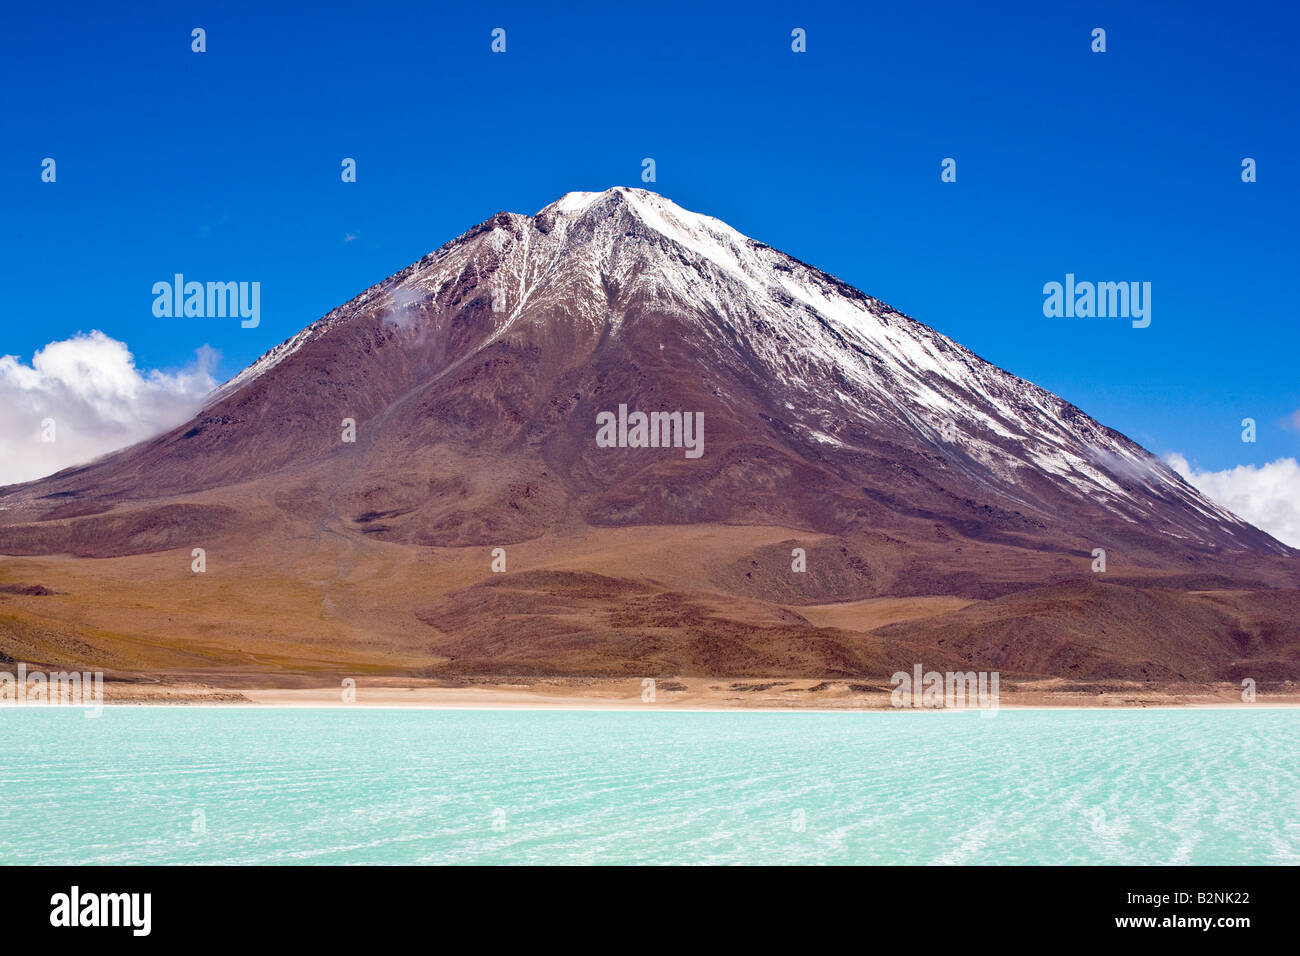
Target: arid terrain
<point>947,513</point>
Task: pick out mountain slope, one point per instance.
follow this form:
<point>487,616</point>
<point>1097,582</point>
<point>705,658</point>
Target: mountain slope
<point>900,461</point>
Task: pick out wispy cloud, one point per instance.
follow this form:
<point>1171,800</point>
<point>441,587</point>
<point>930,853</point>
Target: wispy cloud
<point>400,313</point>
<point>1268,496</point>
<point>88,386</point>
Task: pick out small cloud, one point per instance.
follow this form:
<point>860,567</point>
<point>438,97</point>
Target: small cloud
<point>206,229</point>
<point>399,314</point>
<point>98,400</point>
<point>349,237</point>
<point>1268,496</point>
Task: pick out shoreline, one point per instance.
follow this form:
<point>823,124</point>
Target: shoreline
<point>687,695</point>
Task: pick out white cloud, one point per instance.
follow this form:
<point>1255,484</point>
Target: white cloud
<point>398,314</point>
<point>98,400</point>
<point>1267,496</point>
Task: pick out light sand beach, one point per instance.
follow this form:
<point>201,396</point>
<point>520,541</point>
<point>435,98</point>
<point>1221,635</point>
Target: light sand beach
<point>686,693</point>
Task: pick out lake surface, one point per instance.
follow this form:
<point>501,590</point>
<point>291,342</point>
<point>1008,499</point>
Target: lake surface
<point>352,785</point>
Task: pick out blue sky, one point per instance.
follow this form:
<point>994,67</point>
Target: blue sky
<point>1117,166</point>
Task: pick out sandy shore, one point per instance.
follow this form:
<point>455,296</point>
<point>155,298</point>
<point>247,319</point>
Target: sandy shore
<point>685,693</point>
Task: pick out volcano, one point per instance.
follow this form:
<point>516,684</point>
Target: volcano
<point>414,485</point>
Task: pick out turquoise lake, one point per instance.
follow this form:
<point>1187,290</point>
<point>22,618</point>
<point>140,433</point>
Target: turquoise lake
<point>352,785</point>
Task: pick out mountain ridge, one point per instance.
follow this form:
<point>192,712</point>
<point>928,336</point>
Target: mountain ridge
<point>574,212</point>
<point>902,463</point>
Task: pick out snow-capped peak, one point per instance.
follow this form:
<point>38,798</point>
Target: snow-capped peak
<point>855,375</point>
<point>571,203</point>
